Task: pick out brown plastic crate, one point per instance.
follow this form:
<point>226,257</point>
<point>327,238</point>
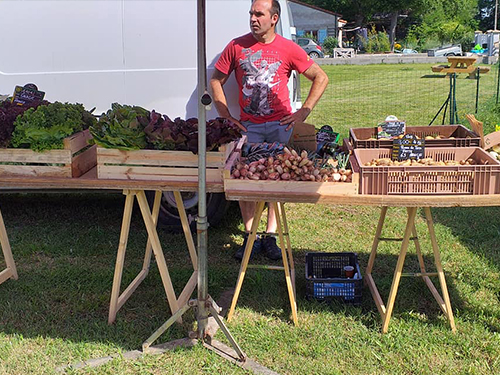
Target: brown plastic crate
<point>429,180</point>
<point>463,137</point>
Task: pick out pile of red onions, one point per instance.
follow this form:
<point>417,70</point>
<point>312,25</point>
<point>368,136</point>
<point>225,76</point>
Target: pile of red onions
<point>289,166</point>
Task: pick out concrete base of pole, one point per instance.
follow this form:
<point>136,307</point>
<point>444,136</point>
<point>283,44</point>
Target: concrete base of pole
<point>216,346</point>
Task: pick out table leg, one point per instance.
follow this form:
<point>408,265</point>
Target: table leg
<point>439,267</point>
<point>10,271</point>
<point>418,249</point>
<point>444,302</point>
<point>246,257</point>
<point>149,248</point>
<point>160,258</point>
<point>399,267</point>
<point>286,265</point>
<point>368,272</point>
<point>150,219</point>
<point>115,290</point>
<point>193,280</point>
<point>117,299</point>
<point>281,207</point>
<point>186,228</point>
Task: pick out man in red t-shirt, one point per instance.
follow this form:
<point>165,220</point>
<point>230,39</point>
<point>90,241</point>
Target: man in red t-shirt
<point>262,62</point>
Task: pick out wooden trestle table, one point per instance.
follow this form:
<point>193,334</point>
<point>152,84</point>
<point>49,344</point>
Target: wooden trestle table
<point>133,189</point>
<point>411,202</point>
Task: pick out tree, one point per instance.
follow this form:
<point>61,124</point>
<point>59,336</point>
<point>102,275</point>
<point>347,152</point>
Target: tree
<point>394,8</point>
<point>440,19</point>
<point>353,10</point>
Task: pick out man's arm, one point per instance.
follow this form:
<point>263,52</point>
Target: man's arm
<point>319,82</point>
<point>216,83</point>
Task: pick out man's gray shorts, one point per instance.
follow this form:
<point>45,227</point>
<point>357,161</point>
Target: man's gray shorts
<point>267,132</point>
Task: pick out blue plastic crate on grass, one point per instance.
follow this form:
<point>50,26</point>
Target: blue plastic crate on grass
<point>326,279</point>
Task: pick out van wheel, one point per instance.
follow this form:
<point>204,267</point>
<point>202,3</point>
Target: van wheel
<point>314,55</point>
<point>169,219</point>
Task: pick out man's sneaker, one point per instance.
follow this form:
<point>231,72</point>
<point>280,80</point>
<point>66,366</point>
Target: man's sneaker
<point>256,248</point>
<point>271,250</point>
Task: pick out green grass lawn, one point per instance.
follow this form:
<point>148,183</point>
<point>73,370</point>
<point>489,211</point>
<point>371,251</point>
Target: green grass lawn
<point>65,246</point>
<point>362,96</point>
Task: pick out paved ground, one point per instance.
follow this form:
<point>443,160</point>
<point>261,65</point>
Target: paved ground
<point>395,58</point>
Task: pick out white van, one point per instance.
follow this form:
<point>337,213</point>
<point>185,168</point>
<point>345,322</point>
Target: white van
<point>144,53</point>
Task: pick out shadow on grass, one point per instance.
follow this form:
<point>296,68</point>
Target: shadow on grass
<point>64,246</point>
<point>65,250</point>
<point>434,76</point>
<point>478,229</point>
<point>265,291</point>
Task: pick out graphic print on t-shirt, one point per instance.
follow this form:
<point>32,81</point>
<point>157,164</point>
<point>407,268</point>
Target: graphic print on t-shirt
<point>258,82</point>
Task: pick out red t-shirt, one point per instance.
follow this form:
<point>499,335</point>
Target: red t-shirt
<point>262,72</point>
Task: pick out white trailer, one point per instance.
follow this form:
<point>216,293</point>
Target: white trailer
<point>133,52</point>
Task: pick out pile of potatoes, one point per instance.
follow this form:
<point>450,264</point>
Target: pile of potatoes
<point>290,166</point>
<point>428,137</point>
<point>386,162</point>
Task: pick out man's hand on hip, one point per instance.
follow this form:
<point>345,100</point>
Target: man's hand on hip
<point>299,116</point>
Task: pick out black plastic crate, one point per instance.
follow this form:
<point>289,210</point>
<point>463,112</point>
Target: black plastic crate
<point>326,280</point>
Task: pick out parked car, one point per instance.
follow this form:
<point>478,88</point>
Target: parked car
<point>312,49</point>
<point>448,50</point>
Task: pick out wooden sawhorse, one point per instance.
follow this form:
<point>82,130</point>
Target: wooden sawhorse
<point>153,246</point>
<point>10,271</point>
<point>286,254</point>
<point>410,234</point>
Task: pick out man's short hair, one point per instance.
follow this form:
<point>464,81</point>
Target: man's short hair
<point>275,8</point>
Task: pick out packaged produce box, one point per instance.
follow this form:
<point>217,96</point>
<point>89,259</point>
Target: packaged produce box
<point>442,136</point>
<point>74,160</point>
<point>481,178</point>
<point>160,165</point>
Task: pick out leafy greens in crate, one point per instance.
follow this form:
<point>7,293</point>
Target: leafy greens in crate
<point>8,114</point>
<point>133,128</point>
<point>45,127</point>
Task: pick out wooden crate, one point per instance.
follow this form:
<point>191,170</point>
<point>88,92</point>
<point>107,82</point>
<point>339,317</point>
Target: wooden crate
<point>286,187</point>
<point>157,165</point>
<point>74,160</point>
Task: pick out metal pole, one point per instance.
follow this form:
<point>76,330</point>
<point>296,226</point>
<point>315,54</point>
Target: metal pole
<point>477,89</point>
<point>498,79</point>
<point>451,98</point>
<point>455,111</point>
<point>202,224</point>
<point>496,14</point>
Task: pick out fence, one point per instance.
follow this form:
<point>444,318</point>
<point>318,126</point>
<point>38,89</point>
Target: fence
<point>363,95</point>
